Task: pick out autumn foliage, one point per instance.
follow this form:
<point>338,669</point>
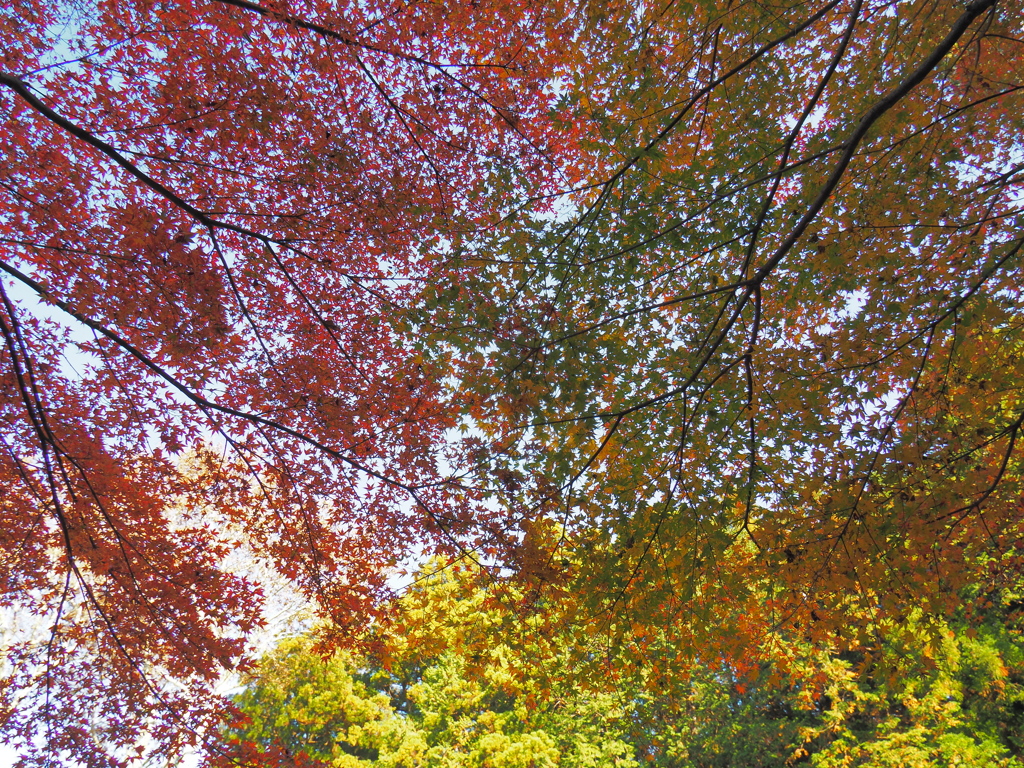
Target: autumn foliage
<point>933,694</point>
<point>700,318</point>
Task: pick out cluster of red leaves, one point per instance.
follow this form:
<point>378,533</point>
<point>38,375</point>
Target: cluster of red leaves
<point>211,217</point>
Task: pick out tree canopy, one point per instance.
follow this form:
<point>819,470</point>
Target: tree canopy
<point>695,325</point>
<point>933,695</point>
